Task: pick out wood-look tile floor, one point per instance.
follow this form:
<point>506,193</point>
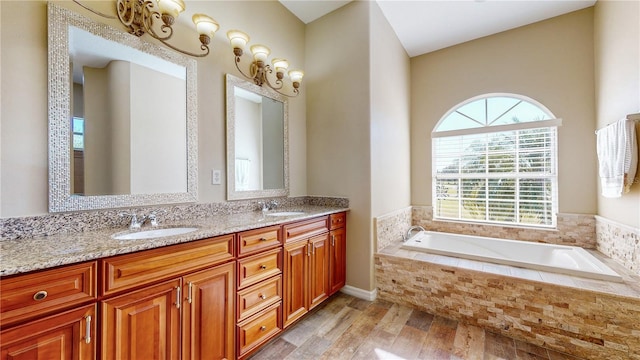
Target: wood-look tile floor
<point>345,327</point>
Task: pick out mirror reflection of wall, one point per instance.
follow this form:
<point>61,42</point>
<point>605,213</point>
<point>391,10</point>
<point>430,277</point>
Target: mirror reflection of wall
<point>273,144</point>
<point>259,142</point>
<point>129,128</point>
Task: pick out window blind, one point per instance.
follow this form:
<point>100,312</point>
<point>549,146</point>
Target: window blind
<point>504,177</point>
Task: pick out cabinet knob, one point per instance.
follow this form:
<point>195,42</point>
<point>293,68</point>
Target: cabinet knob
<point>262,296</point>
<point>263,266</point>
<point>40,295</point>
<point>263,328</point>
<point>263,239</point>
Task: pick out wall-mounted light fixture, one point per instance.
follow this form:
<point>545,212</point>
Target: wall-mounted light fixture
<point>259,70</point>
<point>140,17</point>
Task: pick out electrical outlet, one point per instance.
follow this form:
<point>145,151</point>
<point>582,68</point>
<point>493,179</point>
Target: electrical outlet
<point>216,177</point>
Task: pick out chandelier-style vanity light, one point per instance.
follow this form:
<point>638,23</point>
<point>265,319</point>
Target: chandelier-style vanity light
<point>139,16</point>
<point>259,70</point>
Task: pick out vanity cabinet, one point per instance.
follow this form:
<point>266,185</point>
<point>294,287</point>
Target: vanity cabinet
<point>64,336</point>
<point>29,296</point>
<point>143,324</point>
<point>337,252</point>
<point>49,314</point>
<point>306,267</point>
<point>259,288</point>
<point>216,298</point>
<point>149,292</point>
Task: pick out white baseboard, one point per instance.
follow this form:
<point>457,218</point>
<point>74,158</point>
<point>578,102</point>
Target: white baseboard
<point>360,293</point>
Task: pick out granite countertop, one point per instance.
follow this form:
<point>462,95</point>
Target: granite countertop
<point>37,253</point>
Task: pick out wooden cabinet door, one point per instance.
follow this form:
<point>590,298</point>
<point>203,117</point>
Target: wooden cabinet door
<point>143,324</point>
<point>69,336</point>
<point>337,260</point>
<point>208,318</point>
<point>295,281</point>
<point>318,270</point>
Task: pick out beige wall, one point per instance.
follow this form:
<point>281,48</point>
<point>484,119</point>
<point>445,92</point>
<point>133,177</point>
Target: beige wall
<point>617,79</point>
<point>338,149</point>
<point>390,141</point>
<point>23,181</point>
<point>550,61</point>
<point>358,123</point>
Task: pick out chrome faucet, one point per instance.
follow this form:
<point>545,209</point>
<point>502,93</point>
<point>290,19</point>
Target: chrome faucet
<point>266,206</point>
<point>136,221</point>
<point>410,232</point>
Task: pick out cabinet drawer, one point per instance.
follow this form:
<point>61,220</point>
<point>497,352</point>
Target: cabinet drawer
<point>252,241</point>
<point>31,295</point>
<point>257,297</point>
<point>337,220</point>
<point>133,270</point>
<point>259,329</point>
<point>256,268</point>
<point>306,228</point>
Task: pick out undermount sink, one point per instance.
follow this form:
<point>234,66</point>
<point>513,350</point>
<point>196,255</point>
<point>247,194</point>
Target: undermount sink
<point>154,233</point>
<point>284,213</point>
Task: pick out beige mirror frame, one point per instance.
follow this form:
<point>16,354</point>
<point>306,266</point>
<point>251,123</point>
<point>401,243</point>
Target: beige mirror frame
<point>60,197</point>
<point>235,194</point>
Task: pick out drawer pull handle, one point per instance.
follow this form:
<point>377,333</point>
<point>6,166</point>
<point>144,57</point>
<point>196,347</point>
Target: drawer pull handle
<point>87,334</point>
<point>263,328</point>
<point>263,267</point>
<point>262,296</point>
<point>40,295</point>
<point>263,239</point>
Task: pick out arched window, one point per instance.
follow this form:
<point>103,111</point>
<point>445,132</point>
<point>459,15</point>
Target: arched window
<point>494,161</point>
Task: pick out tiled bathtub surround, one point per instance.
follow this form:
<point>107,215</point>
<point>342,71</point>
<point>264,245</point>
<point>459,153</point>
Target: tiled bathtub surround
<point>76,222</point>
<point>390,227</point>
<point>619,242</point>
<point>572,229</point>
<point>587,318</point>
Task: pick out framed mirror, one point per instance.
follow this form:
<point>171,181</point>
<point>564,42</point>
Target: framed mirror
<point>122,118</point>
<point>257,141</point>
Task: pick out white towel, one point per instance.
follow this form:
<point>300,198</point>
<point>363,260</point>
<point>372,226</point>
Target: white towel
<point>242,173</point>
<point>617,157</point>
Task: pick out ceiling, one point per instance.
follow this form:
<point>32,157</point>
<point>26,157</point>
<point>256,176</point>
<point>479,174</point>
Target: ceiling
<point>427,25</point>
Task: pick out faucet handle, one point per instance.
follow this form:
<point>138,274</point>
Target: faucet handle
<point>153,217</point>
<point>135,223</point>
<point>132,216</point>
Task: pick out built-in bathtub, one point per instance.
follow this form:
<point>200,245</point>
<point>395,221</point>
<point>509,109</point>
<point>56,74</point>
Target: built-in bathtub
<point>591,319</point>
<point>562,259</point>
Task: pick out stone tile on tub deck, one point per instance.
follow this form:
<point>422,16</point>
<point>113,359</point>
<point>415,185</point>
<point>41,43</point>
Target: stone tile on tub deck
<point>576,318</point>
<point>526,273</point>
<point>559,279</point>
